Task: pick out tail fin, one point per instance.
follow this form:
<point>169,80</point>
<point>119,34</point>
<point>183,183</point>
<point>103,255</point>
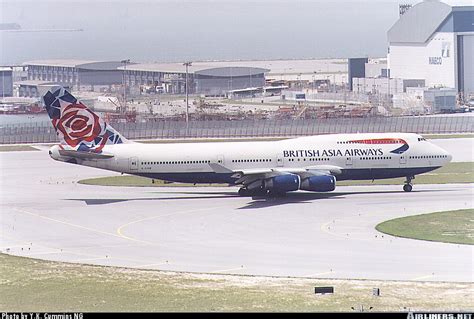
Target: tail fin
<point>77,127</point>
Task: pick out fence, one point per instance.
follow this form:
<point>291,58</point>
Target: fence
<point>44,132</point>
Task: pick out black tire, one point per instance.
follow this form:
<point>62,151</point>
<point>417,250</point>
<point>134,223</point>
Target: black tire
<point>244,192</point>
<point>407,187</point>
<point>259,192</point>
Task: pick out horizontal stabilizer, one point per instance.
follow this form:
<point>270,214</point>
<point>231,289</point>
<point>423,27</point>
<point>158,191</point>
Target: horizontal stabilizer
<point>84,155</point>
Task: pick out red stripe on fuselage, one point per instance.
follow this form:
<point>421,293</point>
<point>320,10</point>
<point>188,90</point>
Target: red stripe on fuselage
<point>380,141</point>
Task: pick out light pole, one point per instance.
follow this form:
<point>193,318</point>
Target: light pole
<point>389,96</point>
<point>187,64</point>
<point>344,89</point>
<point>3,84</point>
<point>124,106</point>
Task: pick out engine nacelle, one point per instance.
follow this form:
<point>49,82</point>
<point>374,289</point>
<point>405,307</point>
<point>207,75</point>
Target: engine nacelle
<point>323,183</point>
<point>283,183</point>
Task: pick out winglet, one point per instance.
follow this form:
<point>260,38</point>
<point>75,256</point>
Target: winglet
<point>218,168</point>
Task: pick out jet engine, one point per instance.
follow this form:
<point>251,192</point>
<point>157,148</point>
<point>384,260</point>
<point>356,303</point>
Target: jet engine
<point>322,183</point>
<point>282,183</point>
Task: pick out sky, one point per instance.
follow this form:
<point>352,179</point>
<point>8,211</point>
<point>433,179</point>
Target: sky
<point>172,31</point>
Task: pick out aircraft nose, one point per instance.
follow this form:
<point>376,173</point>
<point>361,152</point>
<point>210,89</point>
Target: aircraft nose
<point>448,156</point>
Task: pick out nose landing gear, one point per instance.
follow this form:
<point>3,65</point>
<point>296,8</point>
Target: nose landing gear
<point>245,192</point>
<point>408,185</point>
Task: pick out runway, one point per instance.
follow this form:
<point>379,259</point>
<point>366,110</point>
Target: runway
<point>46,214</point>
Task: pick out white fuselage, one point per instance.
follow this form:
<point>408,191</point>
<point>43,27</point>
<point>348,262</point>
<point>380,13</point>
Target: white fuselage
<point>360,156</point>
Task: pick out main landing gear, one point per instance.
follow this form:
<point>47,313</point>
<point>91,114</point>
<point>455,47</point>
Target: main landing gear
<point>408,185</point>
<point>245,192</point>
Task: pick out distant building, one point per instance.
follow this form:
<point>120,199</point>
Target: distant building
<point>384,85</point>
<point>217,81</point>
<point>434,41</point>
<point>356,69</point>
<point>79,74</point>
<point>203,78</point>
<point>375,69</point>
<point>431,100</point>
<point>6,82</point>
<point>36,88</point>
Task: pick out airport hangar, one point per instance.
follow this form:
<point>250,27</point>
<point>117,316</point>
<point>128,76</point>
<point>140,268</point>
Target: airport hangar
<point>78,74</point>
<point>203,78</point>
<point>435,42</point>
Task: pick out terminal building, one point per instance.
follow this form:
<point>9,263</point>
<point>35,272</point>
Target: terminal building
<point>203,78</point>
<point>79,74</point>
<point>434,41</point>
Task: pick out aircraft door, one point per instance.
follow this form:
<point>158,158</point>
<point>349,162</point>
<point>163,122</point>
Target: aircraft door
<point>133,163</point>
<point>403,160</point>
<point>279,160</point>
<point>349,161</point>
<point>220,160</point>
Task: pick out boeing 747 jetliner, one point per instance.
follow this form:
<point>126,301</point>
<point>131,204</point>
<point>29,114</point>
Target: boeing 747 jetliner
<point>312,163</point>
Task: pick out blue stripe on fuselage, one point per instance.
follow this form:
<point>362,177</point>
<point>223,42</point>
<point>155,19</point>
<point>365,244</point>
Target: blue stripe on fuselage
<point>401,149</point>
<point>347,174</point>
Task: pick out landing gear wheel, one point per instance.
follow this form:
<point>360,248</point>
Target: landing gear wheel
<point>244,192</point>
<point>408,186</point>
<point>259,192</point>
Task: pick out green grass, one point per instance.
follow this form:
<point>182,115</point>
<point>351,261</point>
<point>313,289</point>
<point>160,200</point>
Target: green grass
<point>35,285</point>
<point>451,173</point>
<point>448,227</point>
<point>17,148</point>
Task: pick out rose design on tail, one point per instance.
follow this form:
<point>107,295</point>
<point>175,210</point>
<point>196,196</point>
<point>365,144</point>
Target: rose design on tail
<point>76,125</point>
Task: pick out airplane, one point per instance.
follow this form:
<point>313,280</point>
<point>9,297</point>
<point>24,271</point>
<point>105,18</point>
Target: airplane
<point>268,168</point>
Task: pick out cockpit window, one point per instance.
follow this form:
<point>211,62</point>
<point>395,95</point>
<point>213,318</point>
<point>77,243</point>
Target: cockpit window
<point>421,139</point>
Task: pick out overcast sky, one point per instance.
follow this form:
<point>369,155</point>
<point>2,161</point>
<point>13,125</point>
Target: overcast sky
<point>162,30</point>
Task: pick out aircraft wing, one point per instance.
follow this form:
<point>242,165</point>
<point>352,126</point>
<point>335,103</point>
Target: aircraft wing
<point>248,176</point>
